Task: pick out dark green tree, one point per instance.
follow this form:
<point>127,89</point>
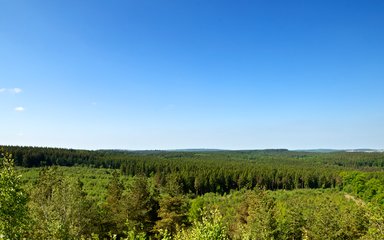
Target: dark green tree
<point>172,213</point>
<point>114,216</point>
<point>141,205</point>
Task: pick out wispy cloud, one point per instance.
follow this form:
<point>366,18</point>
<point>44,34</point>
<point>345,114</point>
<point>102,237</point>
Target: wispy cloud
<point>11,90</point>
<point>19,109</point>
<point>16,90</point>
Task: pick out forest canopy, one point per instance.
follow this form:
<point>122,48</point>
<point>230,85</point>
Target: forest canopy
<point>260,194</point>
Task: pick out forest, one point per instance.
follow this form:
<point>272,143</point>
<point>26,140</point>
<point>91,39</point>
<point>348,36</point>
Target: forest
<point>53,193</point>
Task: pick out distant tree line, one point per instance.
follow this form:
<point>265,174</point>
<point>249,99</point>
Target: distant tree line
<point>214,171</point>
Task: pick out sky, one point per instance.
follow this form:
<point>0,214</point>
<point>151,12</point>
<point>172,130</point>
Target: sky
<point>168,74</point>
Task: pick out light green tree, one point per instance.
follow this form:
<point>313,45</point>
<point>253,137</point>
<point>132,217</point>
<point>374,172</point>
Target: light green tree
<point>59,207</point>
<point>13,201</point>
<point>211,227</point>
<point>257,216</point>
<point>376,222</point>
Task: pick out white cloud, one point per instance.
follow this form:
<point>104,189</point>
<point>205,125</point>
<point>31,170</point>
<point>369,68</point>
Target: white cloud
<point>19,109</point>
<point>16,90</point>
<point>11,90</point>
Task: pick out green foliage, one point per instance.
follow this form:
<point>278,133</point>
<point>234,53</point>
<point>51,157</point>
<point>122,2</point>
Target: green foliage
<point>375,214</point>
<point>114,216</point>
<point>328,220</point>
<point>294,214</point>
<point>132,234</point>
<point>172,213</point>
<point>196,195</point>
<point>141,205</point>
<point>257,216</point>
<point>95,180</point>
<point>211,227</point>
<point>319,215</point>
<point>366,185</point>
<point>59,207</point>
<point>13,200</point>
<point>221,171</point>
<point>132,212</point>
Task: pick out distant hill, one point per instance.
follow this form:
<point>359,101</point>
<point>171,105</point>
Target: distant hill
<point>320,150</point>
<point>325,150</point>
<point>364,150</point>
<point>197,150</point>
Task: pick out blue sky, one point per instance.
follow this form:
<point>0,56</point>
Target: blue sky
<point>192,74</point>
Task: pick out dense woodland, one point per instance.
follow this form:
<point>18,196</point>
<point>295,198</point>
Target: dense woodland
<point>264,194</point>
